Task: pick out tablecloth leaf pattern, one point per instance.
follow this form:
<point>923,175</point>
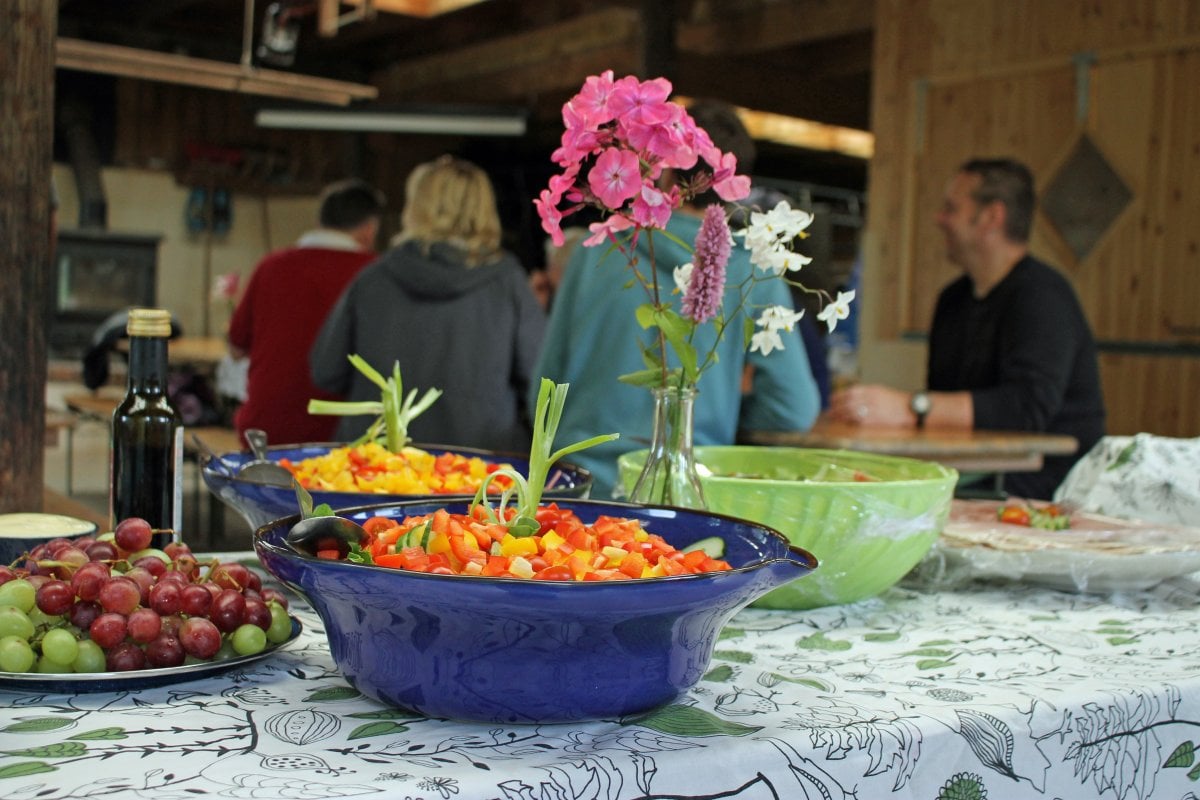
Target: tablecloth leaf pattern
<point>983,693</point>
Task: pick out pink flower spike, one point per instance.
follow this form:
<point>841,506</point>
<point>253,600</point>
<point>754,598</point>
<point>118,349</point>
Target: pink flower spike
<point>714,243</point>
<point>615,177</point>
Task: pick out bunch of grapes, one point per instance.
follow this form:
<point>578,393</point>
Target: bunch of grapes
<point>114,603</point>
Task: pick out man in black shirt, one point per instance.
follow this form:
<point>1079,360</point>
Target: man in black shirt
<point>1010,347</point>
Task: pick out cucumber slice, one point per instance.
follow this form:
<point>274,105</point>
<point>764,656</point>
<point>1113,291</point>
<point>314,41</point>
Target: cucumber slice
<point>713,546</point>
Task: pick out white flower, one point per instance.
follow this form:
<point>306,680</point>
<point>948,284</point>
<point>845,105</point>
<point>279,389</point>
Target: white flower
<point>683,276</point>
<point>838,309</point>
<point>776,318</point>
<point>765,341</point>
<point>769,235</point>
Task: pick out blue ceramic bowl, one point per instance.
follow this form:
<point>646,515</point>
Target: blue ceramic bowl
<point>505,650</point>
<point>260,503</point>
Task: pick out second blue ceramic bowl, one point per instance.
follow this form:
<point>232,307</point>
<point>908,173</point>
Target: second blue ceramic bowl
<point>505,650</point>
<point>261,503</point>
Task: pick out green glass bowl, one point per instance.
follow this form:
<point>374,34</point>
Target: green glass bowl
<point>866,534</point>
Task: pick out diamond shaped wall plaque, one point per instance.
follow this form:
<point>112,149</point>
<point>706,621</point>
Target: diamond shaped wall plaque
<point>1085,198</point>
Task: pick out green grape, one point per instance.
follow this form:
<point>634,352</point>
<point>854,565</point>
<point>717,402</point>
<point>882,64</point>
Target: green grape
<point>281,624</point>
<point>248,639</point>
<point>15,654</point>
<point>40,618</point>
<point>226,651</point>
<point>15,622</point>
<point>60,646</point>
<point>90,658</point>
<point>49,666</point>
<point>19,593</point>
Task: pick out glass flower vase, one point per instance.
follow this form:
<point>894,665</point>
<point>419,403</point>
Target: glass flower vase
<point>669,476</point>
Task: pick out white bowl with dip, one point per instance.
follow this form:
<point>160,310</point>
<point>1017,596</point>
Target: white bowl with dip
<point>21,532</point>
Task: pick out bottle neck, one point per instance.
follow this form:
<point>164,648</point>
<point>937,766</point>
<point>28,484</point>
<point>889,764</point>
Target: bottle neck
<point>147,363</point>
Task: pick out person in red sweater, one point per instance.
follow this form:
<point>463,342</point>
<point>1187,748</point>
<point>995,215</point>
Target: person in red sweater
<point>286,301</point>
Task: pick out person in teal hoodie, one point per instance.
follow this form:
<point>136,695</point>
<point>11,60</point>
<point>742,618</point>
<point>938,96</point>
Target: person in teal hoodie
<point>592,337</point>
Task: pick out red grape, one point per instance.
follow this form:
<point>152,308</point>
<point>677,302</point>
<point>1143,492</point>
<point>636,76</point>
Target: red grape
<point>177,549</point>
<point>143,626</point>
<point>195,600</point>
<point>83,613</point>
<point>7,574</point>
<point>87,580</point>
<point>270,595</point>
<point>165,651</point>
<point>257,613</point>
<point>102,551</point>
<point>124,657</point>
<point>152,564</point>
<point>231,576</point>
<point>133,534</point>
<point>200,638</point>
<point>119,595</point>
<point>166,597</point>
<point>227,610</point>
<point>55,597</point>
<point>172,624</point>
<point>144,581</point>
<point>108,630</point>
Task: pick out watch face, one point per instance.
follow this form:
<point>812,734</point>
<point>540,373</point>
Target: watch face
<point>920,403</point>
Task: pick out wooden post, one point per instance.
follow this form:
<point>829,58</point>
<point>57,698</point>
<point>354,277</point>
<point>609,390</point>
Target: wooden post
<point>27,32</point>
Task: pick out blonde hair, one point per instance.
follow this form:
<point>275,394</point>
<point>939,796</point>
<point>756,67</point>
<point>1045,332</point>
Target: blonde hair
<point>451,200</point>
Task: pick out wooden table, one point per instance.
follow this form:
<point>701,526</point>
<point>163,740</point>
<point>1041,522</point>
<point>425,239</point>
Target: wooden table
<point>966,451</point>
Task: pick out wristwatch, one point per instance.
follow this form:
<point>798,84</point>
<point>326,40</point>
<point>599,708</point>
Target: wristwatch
<point>919,404</point>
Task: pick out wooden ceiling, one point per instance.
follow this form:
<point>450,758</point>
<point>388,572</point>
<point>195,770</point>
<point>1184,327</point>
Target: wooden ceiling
<point>804,58</point>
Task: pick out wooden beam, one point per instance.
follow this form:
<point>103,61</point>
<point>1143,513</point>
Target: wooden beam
<point>545,58</point>
<point>26,137</point>
<point>778,24</point>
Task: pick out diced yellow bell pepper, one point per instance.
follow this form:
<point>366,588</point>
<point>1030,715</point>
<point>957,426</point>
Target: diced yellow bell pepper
<point>551,541</point>
<point>512,546</point>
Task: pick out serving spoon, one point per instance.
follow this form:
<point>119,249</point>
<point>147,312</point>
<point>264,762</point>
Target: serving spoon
<point>262,469</point>
<point>314,534</point>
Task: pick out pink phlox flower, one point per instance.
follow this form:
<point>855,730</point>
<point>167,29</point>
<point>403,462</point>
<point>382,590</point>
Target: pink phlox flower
<point>607,230</point>
<point>592,101</point>
<point>615,177</point>
<point>547,209</point>
<point>728,185</point>
<point>714,243</point>
<point>674,141</point>
<point>640,102</point>
<point>578,139</point>
<point>652,207</point>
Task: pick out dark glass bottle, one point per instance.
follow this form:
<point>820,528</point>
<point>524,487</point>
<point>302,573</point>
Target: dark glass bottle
<point>147,434</point>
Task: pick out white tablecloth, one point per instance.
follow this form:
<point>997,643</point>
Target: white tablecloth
<point>987,692</point>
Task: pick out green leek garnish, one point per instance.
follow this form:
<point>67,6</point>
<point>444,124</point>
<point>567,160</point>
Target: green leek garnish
<point>528,492</point>
<point>395,409</point>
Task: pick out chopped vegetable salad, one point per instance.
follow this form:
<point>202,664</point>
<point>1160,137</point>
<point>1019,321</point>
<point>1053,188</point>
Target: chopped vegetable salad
<point>562,549</point>
<point>374,469</point>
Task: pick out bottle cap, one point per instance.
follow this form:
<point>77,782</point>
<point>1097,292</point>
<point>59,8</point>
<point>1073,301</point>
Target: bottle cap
<point>149,322</point>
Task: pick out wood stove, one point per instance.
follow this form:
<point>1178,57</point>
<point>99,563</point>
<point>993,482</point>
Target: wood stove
<point>98,272</point>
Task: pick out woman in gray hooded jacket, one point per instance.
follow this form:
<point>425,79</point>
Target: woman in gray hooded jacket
<point>448,304</point>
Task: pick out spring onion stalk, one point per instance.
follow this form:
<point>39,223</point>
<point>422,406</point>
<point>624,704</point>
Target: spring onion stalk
<point>528,492</point>
<point>395,409</point>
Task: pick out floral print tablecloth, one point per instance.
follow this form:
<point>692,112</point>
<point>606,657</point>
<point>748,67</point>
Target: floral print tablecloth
<point>985,692</point>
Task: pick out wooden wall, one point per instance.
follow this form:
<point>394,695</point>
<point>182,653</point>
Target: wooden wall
<point>1027,78</point>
